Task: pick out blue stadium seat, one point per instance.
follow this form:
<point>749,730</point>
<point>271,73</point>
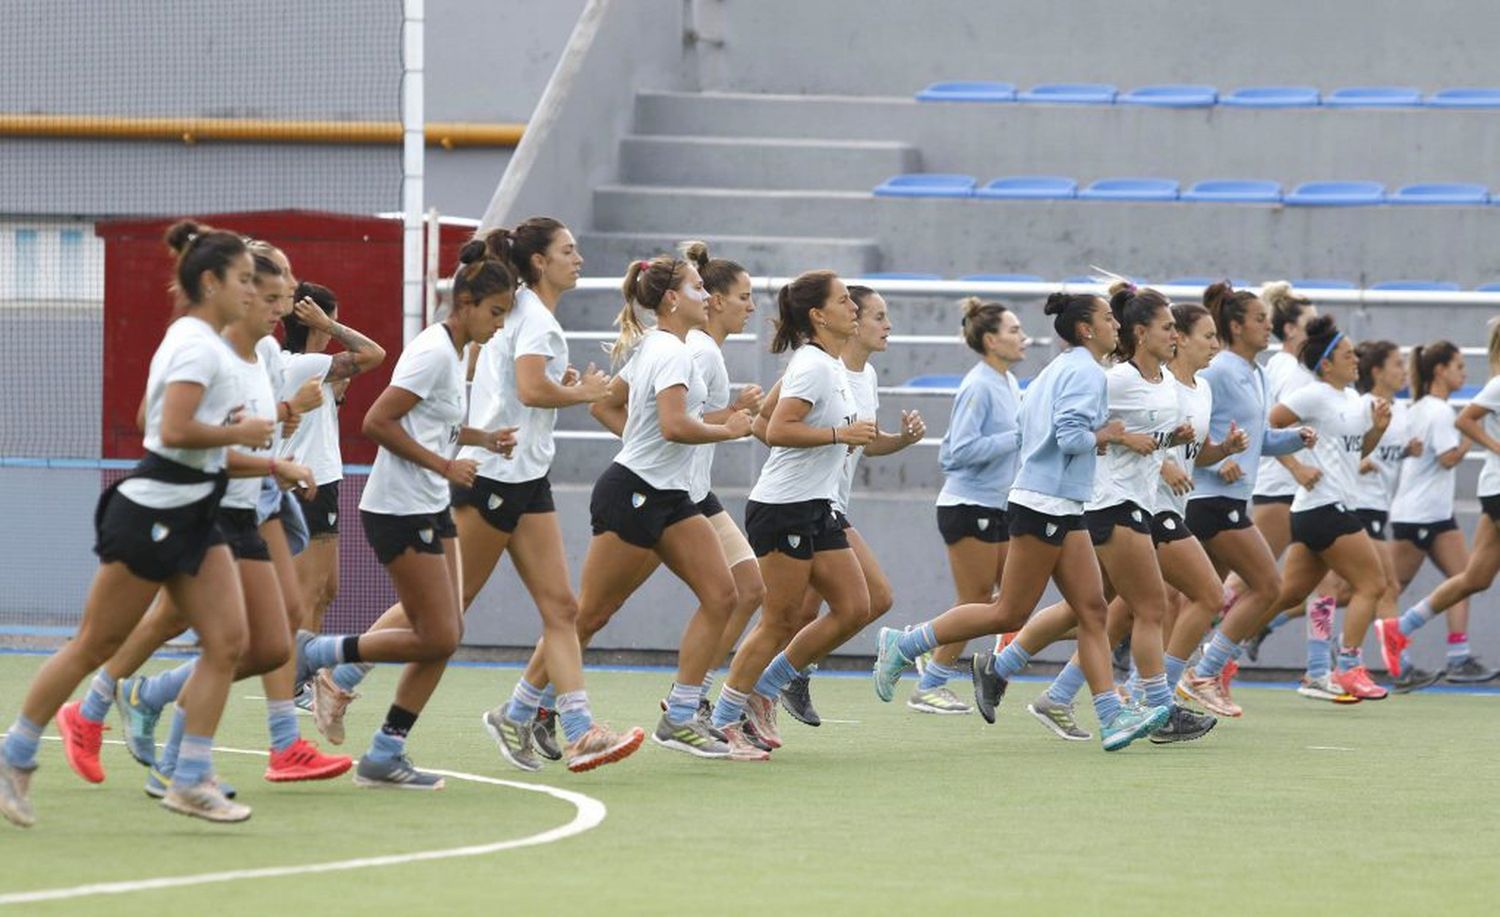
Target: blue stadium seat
<point>1130,189</point>
<point>1465,98</point>
<point>1003,278</point>
<point>1174,95</point>
<point>1235,190</point>
<point>1374,97</point>
<point>1336,194</point>
<point>899,275</point>
<point>1418,286</point>
<point>1205,281</point>
<point>1323,283</point>
<point>1071,93</point>
<point>926,185</point>
<point>1272,97</point>
<point>968,91</point>
<point>1440,193</point>
<point>1028,187</point>
<point>1488,287</point>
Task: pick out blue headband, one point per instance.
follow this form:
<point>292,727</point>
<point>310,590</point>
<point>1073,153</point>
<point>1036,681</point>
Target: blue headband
<point>1331,344</point>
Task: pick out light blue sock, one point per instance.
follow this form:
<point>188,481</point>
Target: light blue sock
<point>1174,668</point>
<point>1413,618</point>
<point>549,698</point>
<point>523,702</point>
<point>1067,684</point>
<point>1348,658</point>
<point>281,718</point>
<point>322,653</point>
<point>936,675</point>
<point>1406,660</point>
<point>1106,707</point>
<point>1277,622</point>
<point>1317,657</point>
<point>775,677</point>
<point>195,762</point>
<point>386,746</point>
<point>166,762</point>
<point>917,641</point>
<point>100,698</point>
<point>1220,651</point>
<point>1011,660</point>
<point>573,711</point>
<point>159,690</point>
<point>348,675</point>
<point>1158,694</point>
<point>708,684</point>
<point>730,706</point>
<point>20,744</point>
<point>682,702</point>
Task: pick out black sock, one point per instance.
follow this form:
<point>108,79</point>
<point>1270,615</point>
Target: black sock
<point>398,722</point>
<point>350,649</point>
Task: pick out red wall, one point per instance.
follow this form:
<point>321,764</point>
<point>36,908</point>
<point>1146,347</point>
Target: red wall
<point>358,257</point>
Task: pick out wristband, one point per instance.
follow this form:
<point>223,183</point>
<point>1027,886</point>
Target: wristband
<point>835,435</point>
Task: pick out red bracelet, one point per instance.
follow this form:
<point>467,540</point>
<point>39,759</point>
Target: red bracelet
<point>447,467</point>
<point>272,472</point>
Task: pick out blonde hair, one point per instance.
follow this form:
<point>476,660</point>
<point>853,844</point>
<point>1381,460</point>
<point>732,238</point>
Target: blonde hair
<point>1286,305</point>
<point>1494,346</point>
<point>646,285</point>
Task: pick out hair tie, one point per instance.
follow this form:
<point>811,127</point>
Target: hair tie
<point>1329,349</point>
<point>643,265</point>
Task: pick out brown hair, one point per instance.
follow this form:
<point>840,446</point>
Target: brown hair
<point>860,295</point>
<point>200,248</point>
<point>1226,304</point>
<point>718,274</point>
<point>1371,355</point>
<point>1187,314</point>
<point>479,273</point>
<point>981,317</point>
<point>646,285</point>
<point>1424,363</point>
<point>807,291</point>
<point>530,238</point>
<point>1133,307</point>
<point>296,330</point>
<point>1070,309</point>
<point>1286,306</point>
<point>1321,333</point>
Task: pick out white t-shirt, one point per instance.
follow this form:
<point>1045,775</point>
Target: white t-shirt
<point>431,369</point>
<point>1489,399</point>
<point>1426,490</point>
<point>708,360</point>
<point>259,400</point>
<point>1047,504</point>
<point>1144,407</point>
<point>315,443</point>
<point>1284,375</point>
<point>791,475</point>
<point>662,361</point>
<point>1194,405</point>
<point>191,351</point>
<point>862,386</point>
<point>530,329</point>
<point>1377,488</point>
<point>1342,418</point>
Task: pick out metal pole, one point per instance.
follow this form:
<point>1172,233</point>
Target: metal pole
<point>413,161</point>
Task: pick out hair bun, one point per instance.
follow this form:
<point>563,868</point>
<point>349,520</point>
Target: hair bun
<point>182,233</point>
<point>473,250</point>
<point>1121,286</point>
<point>1321,326</point>
<point>696,252</point>
<point>970,306</point>
<point>1056,303</point>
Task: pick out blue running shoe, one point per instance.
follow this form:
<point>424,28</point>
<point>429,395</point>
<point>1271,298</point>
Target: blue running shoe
<point>1133,723</point>
<point>889,663</point>
<point>138,720</point>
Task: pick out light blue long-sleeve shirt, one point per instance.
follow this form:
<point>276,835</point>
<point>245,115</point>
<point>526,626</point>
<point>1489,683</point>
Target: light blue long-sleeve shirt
<point>1240,394</point>
<point>982,447</point>
<point>1064,405</point>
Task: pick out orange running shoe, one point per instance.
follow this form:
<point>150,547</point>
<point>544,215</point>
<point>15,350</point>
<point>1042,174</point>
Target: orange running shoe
<point>81,742</point>
<point>602,745</point>
<point>1392,644</point>
<point>1207,692</point>
<point>1357,681</point>
<point>302,760</point>
<point>1226,678</point>
<point>1004,640</point>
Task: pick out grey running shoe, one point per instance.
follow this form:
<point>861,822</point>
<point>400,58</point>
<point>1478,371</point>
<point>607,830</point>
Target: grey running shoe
<point>303,699</point>
<point>1183,725</point>
<point>544,734</point>
<point>989,687</point>
<point>1058,718</point>
<point>796,698</point>
<point>939,700</point>
<point>138,719</point>
<point>15,795</point>
<point>1414,679</point>
<point>330,703</point>
<point>1469,671</point>
<point>205,800</point>
<point>751,736</point>
<point>394,773</point>
<point>513,739</point>
<point>1252,645</point>
<point>692,737</point>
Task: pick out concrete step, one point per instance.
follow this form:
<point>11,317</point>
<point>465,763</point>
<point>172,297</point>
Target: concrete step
<point>756,162</point>
<point>612,250</point>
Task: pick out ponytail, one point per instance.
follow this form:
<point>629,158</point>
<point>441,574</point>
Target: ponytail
<point>1425,359</point>
<point>1134,307</point>
<point>1322,336</point>
<point>646,285</point>
<point>794,303</point>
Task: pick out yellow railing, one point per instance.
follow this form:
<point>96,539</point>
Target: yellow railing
<point>446,134</point>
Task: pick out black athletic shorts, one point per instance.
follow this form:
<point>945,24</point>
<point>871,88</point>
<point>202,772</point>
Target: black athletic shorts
<point>1167,527</point>
<point>1208,516</point>
<point>1263,499</point>
<point>1321,526</point>
<point>1491,506</point>
<point>390,536</point>
<point>242,534</point>
<point>502,504</point>
<point>155,544</point>
<point>1422,534</point>
<point>1375,521</point>
<point>322,511</point>
<point>795,529</point>
<point>1101,522</point>
<point>625,504</point>
<point>710,505</point>
<point>1052,529</point>
<point>966,520</point>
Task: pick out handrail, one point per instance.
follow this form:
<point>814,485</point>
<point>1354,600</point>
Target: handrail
<point>188,130</point>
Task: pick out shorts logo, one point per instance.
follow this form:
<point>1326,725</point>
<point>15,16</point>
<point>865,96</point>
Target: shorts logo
<point>794,541</point>
<point>425,535</point>
<point>638,500</point>
<point>1379,526</point>
<point>983,524</point>
<point>494,501</point>
<point>159,532</point>
<point>1169,524</point>
<point>332,518</point>
<point>1136,515</point>
<point>1422,533</point>
<point>1340,507</point>
<point>1051,529</point>
<point>1234,515</point>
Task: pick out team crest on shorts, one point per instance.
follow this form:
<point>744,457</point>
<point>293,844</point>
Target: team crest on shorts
<point>1421,533</point>
<point>983,524</point>
<point>794,541</point>
<point>1169,524</point>
<point>1051,529</point>
<point>637,500</point>
<point>1234,515</point>
<point>1136,515</point>
<point>425,535</point>
<point>1379,526</point>
<point>159,532</point>
<point>495,501</point>
<point>332,518</point>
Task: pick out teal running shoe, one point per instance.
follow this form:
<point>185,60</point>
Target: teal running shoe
<point>889,663</point>
<point>1133,723</point>
<point>138,720</point>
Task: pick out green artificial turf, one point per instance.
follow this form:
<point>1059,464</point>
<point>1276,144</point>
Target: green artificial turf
<point>1300,807</point>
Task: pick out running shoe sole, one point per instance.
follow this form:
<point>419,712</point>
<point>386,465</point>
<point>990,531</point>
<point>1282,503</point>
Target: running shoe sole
<point>619,752</point>
<point>1056,729</point>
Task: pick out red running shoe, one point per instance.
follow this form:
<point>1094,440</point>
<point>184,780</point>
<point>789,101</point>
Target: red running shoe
<point>81,742</point>
<point>1357,681</point>
<point>302,760</point>
<point>1392,644</point>
<point>1226,678</point>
